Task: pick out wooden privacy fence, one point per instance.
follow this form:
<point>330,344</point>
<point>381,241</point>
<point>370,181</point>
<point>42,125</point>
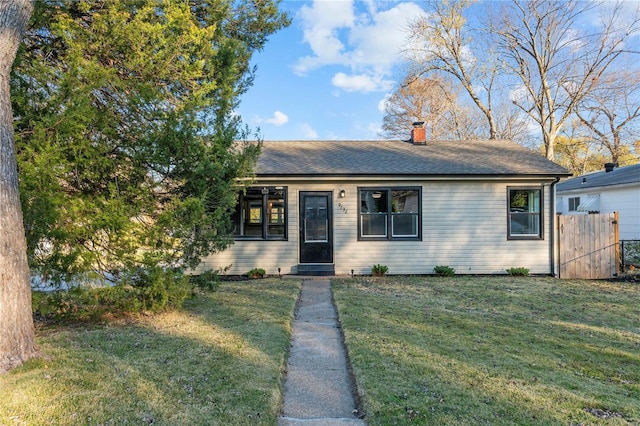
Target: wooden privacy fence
<point>588,245</point>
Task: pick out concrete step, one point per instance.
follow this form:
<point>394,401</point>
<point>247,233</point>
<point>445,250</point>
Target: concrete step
<point>316,269</point>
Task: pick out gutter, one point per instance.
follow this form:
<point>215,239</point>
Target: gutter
<point>405,176</point>
<point>554,223</point>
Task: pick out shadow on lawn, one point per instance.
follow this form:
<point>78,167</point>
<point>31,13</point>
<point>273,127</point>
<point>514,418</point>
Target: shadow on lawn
<point>217,361</point>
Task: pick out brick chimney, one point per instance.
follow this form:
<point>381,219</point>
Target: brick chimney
<point>418,133</point>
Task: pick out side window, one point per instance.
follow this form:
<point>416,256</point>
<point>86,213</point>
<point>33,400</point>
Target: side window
<point>524,213</point>
<point>574,202</point>
<point>389,213</point>
<point>261,213</point>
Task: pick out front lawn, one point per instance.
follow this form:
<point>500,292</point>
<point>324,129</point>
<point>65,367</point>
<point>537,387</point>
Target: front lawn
<point>220,360</point>
<point>493,350</point>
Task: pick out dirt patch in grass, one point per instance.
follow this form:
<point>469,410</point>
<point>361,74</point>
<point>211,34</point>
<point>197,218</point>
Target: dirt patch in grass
<point>220,360</point>
<point>493,350</point>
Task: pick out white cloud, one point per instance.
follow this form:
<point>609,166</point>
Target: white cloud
<point>364,40</point>
<point>380,42</point>
<point>279,118</point>
<point>382,104</point>
<point>308,132</point>
<point>321,24</point>
<point>332,136</point>
<point>518,94</point>
<point>354,83</point>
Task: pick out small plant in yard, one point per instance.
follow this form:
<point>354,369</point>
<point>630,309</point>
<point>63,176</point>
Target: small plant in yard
<point>518,272</point>
<point>208,280</point>
<point>444,271</point>
<point>379,270</point>
<point>256,273</point>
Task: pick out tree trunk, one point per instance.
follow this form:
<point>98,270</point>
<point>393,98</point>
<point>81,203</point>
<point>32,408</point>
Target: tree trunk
<point>17,334</point>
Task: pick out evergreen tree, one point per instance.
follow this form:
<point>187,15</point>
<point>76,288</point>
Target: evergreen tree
<point>127,141</point>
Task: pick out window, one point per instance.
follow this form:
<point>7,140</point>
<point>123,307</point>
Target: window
<point>389,213</point>
<point>574,202</point>
<point>261,213</point>
<point>524,216</point>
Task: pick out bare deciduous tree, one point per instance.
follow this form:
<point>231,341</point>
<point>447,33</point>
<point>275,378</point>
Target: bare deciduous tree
<point>611,113</point>
<point>556,61</point>
<point>441,42</point>
<point>17,334</point>
<point>432,101</point>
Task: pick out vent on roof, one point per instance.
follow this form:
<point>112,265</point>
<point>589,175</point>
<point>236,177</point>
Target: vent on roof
<point>418,133</point>
<point>608,167</point>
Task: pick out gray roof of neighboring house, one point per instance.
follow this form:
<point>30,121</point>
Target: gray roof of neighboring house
<point>618,176</point>
<point>402,158</point>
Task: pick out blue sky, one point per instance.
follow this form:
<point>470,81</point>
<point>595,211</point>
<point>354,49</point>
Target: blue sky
<point>327,74</point>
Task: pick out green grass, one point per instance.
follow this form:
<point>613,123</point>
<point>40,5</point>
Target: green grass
<point>220,360</point>
<point>493,350</point>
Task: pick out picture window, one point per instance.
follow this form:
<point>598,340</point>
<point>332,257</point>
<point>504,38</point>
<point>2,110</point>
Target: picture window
<point>389,213</point>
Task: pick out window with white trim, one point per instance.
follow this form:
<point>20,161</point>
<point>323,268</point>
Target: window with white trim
<point>389,213</point>
<point>261,213</point>
<point>524,213</point>
<point>574,202</point>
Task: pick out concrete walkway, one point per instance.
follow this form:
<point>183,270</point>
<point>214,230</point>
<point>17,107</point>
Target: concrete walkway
<point>317,390</point>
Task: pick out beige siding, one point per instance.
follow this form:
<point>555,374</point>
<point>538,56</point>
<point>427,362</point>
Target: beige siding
<point>464,225</point>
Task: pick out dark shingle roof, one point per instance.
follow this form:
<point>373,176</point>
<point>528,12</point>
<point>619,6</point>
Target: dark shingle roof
<point>375,158</point>
<point>618,176</point>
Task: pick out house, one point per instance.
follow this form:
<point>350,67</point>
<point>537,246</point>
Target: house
<point>339,207</point>
<point>606,191</point>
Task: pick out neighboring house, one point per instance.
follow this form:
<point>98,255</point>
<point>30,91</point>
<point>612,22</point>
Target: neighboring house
<point>325,207</point>
<point>615,189</point>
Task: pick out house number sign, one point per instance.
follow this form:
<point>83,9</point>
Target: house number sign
<point>342,208</point>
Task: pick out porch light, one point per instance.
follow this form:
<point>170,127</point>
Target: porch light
<point>342,193</point>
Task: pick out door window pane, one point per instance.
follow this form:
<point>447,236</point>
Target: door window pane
<point>316,223</point>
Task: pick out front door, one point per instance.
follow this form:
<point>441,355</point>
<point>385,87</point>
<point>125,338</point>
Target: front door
<point>316,241</point>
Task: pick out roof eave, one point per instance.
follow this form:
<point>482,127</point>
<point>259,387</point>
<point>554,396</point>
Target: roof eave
<point>396,176</point>
<point>599,186</point>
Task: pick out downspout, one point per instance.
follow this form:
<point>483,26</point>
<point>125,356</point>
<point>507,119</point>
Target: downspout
<point>554,222</point>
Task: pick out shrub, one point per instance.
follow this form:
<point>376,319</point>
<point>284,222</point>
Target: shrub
<point>518,272</point>
<point>151,289</point>
<point>256,273</point>
<point>156,288</point>
<point>444,271</point>
<point>379,270</point>
<point>208,280</point>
